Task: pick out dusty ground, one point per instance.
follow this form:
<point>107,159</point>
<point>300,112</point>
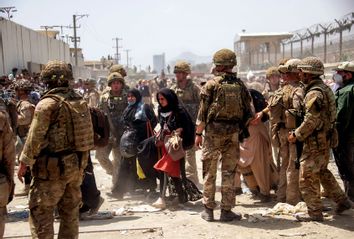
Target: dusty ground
<point>183,221</point>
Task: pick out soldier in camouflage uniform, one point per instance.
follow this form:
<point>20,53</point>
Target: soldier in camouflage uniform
<point>315,133</point>
<point>91,94</point>
<point>273,78</point>
<point>224,111</point>
<point>292,98</point>
<point>273,81</point>
<point>113,103</point>
<point>25,111</point>
<point>57,149</point>
<point>7,164</point>
<point>188,94</point>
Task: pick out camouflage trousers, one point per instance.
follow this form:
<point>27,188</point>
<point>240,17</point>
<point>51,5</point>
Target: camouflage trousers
<point>224,148</point>
<point>288,186</point>
<point>313,174</point>
<point>4,196</point>
<point>111,167</point>
<point>62,193</point>
<point>191,166</point>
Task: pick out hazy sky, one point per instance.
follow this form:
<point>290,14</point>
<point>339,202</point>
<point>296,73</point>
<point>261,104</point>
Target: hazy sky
<point>173,26</point>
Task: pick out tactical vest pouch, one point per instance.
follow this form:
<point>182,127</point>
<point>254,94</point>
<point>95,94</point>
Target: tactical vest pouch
<point>290,120</point>
<point>53,168</point>
<point>39,169</point>
<point>317,141</point>
<point>5,190</point>
<point>276,109</point>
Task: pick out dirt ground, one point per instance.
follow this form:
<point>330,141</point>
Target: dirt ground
<point>136,219</point>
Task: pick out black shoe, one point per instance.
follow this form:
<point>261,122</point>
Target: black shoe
<point>228,215</point>
<point>208,214</point>
<point>238,191</point>
<point>343,206</point>
<point>306,218</point>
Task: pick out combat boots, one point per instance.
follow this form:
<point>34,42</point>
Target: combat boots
<point>343,205</point>
<point>208,214</point>
<point>228,215</point>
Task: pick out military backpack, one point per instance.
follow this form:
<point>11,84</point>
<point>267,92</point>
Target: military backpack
<point>227,102</point>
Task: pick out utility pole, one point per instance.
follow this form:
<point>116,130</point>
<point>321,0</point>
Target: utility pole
<point>8,11</point>
<point>127,51</point>
<point>75,39</point>
<point>117,48</point>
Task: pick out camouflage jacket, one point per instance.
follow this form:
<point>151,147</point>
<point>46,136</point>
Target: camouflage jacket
<point>25,111</point>
<point>7,147</point>
<point>52,128</point>
<point>313,130</point>
<point>189,97</point>
<point>114,106</point>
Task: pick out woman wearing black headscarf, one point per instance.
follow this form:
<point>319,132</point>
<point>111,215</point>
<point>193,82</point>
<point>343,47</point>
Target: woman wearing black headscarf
<point>173,117</point>
<point>135,118</point>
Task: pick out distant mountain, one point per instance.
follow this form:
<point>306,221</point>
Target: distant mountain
<point>191,58</point>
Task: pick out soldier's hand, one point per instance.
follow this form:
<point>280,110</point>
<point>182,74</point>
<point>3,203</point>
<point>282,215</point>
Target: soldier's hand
<point>21,171</point>
<point>291,137</point>
<point>198,141</point>
<point>257,118</point>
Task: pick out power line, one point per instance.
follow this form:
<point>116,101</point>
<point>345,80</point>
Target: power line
<point>117,48</point>
<point>127,51</point>
<point>75,38</point>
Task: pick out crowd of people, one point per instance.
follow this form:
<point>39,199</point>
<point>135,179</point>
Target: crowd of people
<point>276,136</point>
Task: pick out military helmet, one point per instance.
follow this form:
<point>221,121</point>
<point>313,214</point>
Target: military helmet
<point>23,84</point>
<point>311,65</point>
<point>272,71</point>
<point>224,57</point>
<point>283,61</point>
<point>182,66</point>
<point>90,82</point>
<point>115,77</point>
<point>56,71</point>
<point>289,66</point>
<point>119,69</point>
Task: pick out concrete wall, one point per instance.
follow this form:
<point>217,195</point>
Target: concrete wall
<point>20,46</point>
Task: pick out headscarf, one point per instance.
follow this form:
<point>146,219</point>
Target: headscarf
<point>130,113</point>
<point>172,100</point>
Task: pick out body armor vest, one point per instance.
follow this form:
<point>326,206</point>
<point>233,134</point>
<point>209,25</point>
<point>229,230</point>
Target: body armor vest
<point>72,127</point>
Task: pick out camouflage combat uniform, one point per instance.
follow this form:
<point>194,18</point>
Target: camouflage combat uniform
<point>292,98</point>
<point>189,97</point>
<point>313,132</point>
<point>25,111</point>
<point>221,142</point>
<point>7,164</point>
<point>113,106</point>
<point>57,149</point>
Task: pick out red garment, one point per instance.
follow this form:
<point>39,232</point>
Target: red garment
<point>167,165</point>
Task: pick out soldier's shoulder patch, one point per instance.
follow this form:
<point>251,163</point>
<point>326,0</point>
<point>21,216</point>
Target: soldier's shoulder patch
<point>310,103</point>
